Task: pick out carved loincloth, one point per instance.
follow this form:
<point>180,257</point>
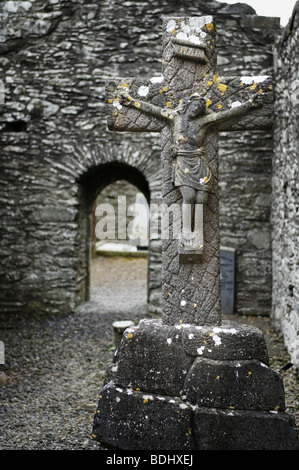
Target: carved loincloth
<point>191,168</point>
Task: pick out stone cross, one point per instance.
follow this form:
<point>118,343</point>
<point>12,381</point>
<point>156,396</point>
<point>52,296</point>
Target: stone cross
<point>189,103</point>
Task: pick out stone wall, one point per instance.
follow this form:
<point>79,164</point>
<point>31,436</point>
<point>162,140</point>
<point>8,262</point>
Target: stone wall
<point>285,209</point>
<point>57,155</point>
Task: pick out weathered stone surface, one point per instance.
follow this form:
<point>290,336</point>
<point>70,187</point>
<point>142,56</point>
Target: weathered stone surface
<point>285,195</point>
<point>151,357</point>
<point>241,385</point>
<point>229,341</point>
<point>244,430</point>
<point>55,59</point>
<point>203,414</point>
<point>132,420</point>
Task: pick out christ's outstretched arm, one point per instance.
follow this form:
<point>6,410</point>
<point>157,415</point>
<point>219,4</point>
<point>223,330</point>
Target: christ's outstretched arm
<point>253,102</point>
<point>149,108</point>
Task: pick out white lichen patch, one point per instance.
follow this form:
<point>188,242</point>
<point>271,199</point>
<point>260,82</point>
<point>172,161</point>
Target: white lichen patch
<point>183,406</point>
<point>117,104</point>
<point>169,340</point>
<point>191,38</point>
<point>143,90</point>
<point>147,397</point>
<point>183,303</point>
<point>217,340</point>
<point>247,80</point>
<point>157,79</point>
<point>231,331</point>
<point>198,22</point>
<point>171,26</point>
<point>235,104</point>
<point>200,350</point>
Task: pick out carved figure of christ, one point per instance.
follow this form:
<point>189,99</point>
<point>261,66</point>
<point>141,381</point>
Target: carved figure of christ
<point>188,105</point>
<point>192,174</point>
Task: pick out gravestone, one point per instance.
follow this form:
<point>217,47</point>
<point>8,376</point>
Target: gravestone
<point>227,280</point>
<point>139,226</point>
<point>191,380</point>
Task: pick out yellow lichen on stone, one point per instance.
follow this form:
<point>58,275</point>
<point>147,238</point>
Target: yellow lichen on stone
<point>210,83</point>
<point>219,106</point>
<point>145,400</point>
<point>168,104</point>
<point>137,104</point>
<point>261,90</point>
<point>110,101</point>
<point>253,87</point>
<point>222,87</point>
<point>209,26</point>
<point>165,88</point>
<point>270,87</point>
<point>130,335</point>
<point>125,85</point>
<point>208,103</point>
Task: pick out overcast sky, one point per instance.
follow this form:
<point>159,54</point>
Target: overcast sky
<point>280,8</point>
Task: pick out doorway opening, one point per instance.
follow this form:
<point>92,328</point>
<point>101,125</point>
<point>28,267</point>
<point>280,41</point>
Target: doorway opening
<point>119,266</point>
<point>116,260</point>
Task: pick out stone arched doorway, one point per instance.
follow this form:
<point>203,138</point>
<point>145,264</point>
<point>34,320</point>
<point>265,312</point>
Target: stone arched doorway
<point>93,183</point>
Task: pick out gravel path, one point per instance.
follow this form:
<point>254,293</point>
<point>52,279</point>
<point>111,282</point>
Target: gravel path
<point>55,365</point>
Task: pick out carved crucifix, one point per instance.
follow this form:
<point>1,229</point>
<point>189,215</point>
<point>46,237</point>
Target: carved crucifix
<point>189,104</point>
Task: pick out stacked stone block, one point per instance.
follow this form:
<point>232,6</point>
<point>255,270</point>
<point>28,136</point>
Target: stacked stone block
<point>193,387</point>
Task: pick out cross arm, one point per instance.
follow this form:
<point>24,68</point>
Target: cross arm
<point>135,105</point>
<point>243,103</point>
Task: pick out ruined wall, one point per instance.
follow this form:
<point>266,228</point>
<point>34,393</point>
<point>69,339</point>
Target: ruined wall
<point>285,209</point>
<point>56,152</point>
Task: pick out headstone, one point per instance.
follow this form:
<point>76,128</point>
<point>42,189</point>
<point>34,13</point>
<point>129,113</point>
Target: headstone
<point>162,369</point>
<point>227,280</point>
<point>138,229</point>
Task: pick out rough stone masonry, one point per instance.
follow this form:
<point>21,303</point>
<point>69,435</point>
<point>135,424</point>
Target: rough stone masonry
<point>208,382</point>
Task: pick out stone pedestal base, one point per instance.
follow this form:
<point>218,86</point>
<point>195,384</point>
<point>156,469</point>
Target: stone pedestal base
<point>185,388</point>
